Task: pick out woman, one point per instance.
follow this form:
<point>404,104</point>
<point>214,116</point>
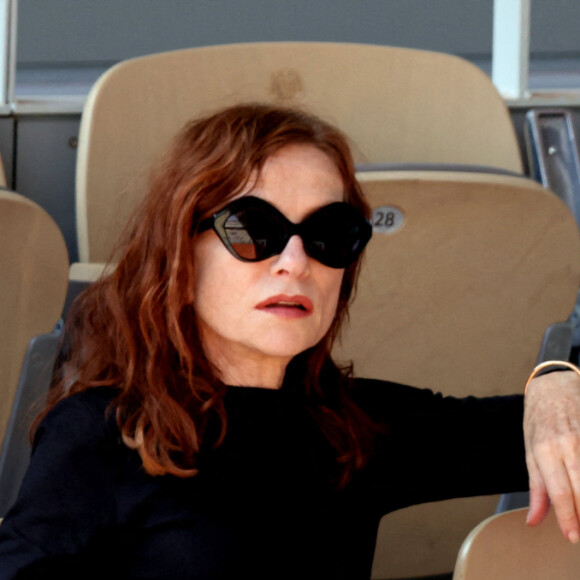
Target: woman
<point>198,427</point>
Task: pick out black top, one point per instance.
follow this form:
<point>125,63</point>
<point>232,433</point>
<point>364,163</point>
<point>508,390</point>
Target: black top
<point>262,505</point>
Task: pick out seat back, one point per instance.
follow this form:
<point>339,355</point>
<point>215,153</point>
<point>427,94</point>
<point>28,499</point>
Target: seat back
<point>455,294</point>
<point>33,385</point>
<point>34,278</point>
<point>503,548</point>
<point>480,267</point>
<point>395,104</point>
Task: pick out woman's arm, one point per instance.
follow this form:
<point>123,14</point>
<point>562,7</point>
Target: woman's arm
<point>436,447</point>
<point>65,503</point>
<point>552,438</point>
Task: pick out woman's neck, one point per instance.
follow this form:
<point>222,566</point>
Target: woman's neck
<point>248,371</point>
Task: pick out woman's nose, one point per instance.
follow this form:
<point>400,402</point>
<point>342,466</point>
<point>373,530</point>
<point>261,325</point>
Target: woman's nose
<point>293,260</point>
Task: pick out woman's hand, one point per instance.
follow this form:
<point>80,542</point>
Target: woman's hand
<point>552,438</point>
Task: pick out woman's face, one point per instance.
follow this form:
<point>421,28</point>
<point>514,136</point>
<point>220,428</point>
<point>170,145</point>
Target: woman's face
<point>255,317</point>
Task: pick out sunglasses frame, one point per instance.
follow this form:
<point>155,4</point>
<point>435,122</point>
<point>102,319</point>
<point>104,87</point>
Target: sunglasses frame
<point>218,220</point>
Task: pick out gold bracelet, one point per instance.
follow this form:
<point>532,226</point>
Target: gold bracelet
<point>551,363</point>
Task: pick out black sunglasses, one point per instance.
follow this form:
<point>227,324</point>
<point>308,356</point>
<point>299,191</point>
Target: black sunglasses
<point>254,230</point>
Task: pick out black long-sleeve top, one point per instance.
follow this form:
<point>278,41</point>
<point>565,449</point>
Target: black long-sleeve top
<point>262,505</point>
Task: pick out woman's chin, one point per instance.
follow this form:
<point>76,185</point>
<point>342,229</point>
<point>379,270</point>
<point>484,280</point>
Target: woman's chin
<point>287,345</point>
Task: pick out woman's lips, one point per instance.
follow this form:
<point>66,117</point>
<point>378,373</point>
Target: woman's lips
<point>287,306</point>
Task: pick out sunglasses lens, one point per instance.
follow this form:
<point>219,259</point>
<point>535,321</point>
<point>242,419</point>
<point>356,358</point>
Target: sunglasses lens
<point>336,235</point>
<point>253,233</point>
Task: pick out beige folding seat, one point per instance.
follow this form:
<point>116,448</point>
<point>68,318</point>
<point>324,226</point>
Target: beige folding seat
<point>503,548</point>
<point>397,105</point>
<point>455,296</point>
<point>33,284</point>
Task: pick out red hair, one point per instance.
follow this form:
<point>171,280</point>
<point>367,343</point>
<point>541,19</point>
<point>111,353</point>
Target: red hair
<point>135,329</point>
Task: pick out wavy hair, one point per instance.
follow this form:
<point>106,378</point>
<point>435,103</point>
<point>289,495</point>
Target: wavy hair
<point>135,329</point>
